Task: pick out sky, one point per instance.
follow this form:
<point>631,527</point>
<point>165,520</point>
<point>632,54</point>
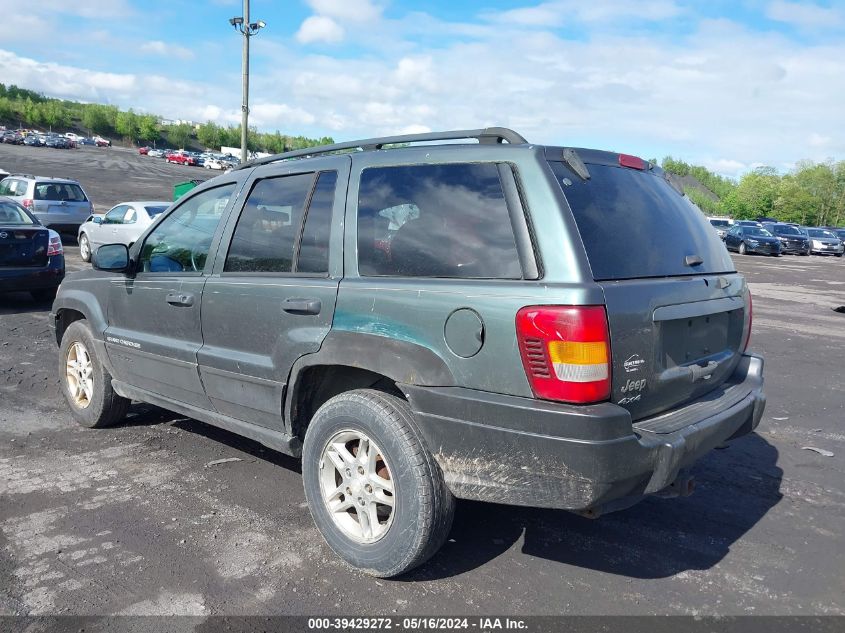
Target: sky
<point>727,84</point>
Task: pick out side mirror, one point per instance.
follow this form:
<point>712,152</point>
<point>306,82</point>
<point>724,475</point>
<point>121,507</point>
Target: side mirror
<point>97,219</point>
<point>112,258</point>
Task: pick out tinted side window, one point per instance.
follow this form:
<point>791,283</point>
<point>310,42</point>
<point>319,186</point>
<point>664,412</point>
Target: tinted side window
<point>435,221</point>
<point>6,187</point>
<point>115,216</point>
<point>314,247</point>
<point>182,240</point>
<point>269,224</point>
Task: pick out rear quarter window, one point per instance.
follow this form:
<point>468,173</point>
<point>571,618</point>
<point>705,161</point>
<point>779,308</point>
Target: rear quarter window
<point>634,224</point>
<point>448,220</point>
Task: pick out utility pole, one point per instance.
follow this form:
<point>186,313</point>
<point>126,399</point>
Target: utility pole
<point>247,29</point>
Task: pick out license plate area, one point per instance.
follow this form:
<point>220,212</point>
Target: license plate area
<point>688,340</point>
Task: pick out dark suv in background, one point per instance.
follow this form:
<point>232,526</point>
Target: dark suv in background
<point>426,322</point>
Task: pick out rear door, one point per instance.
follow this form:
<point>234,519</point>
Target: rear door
<point>272,296</point>
<point>676,307</point>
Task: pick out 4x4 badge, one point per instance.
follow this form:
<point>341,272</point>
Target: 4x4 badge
<point>633,363</point>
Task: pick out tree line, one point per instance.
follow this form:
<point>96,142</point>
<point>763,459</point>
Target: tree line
<point>811,194</point>
<point>27,108</point>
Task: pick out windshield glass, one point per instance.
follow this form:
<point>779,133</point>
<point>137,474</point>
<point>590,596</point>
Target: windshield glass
<point>787,230</point>
<point>13,215</point>
<point>756,230</point>
<point>821,233</point>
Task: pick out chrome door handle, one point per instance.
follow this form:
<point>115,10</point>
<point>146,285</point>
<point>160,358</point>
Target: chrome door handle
<point>180,299</point>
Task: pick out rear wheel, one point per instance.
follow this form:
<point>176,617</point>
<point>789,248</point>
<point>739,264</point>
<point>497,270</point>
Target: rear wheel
<point>374,490</point>
<point>742,249</point>
<point>84,248</point>
<point>86,384</point>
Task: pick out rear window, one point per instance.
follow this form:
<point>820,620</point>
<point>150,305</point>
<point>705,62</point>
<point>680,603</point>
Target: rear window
<point>634,224</point>
<point>720,223</point>
<point>65,191</point>
<point>12,214</point>
<point>154,211</point>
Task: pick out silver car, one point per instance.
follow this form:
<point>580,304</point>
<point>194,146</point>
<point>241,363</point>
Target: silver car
<point>824,242</point>
<point>122,224</point>
<point>59,203</point>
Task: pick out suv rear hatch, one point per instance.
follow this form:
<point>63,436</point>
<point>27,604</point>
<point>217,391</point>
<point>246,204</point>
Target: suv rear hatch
<point>676,307</point>
<point>67,198</point>
<point>23,247</point>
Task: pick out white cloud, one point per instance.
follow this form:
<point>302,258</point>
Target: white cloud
<point>805,14</point>
<point>157,47</point>
<point>560,12</point>
<point>319,28</point>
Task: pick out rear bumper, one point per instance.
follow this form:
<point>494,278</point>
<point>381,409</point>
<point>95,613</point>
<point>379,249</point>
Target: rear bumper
<point>520,451</point>
<point>25,279</point>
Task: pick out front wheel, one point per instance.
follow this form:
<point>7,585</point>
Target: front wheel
<point>84,248</point>
<point>374,490</point>
<point>86,384</point>
<point>742,249</point>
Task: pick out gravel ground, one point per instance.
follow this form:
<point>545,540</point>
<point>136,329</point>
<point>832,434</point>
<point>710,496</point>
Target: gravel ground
<point>130,520</point>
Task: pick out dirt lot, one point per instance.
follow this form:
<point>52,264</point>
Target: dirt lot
<point>131,520</point>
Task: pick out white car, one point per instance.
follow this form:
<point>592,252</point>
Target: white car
<point>215,163</point>
<point>122,224</point>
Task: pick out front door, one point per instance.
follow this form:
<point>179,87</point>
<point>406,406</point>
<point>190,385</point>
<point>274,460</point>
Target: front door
<point>271,298</point>
<point>154,318</point>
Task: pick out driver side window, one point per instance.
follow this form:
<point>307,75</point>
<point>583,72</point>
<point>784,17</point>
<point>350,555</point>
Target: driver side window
<point>182,240</point>
<point>115,216</point>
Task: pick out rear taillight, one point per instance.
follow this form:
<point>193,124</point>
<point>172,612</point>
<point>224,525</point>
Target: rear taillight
<point>54,247</point>
<point>748,319</point>
<point>27,203</point>
<point>566,352</point>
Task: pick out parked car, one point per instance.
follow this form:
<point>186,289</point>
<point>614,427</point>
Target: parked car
<point>102,142</point>
<point>824,242</point>
<point>31,255</point>
<point>122,224</point>
<point>32,141</point>
<point>722,225</point>
<point>86,141</point>
<point>791,238</point>
<point>144,151</point>
<point>58,203</point>
<point>156,153</point>
<point>748,223</point>
<point>12,138</point>
<point>746,239</point>
<point>181,158</point>
<point>216,163</point>
<point>421,342</point>
<point>838,232</point>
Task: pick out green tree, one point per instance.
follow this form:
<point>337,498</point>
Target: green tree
<point>180,134</point>
<point>126,124</point>
<point>54,114</point>
<point>148,128</point>
<point>208,134</point>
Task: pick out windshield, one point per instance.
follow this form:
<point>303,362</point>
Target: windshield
<point>821,233</point>
<point>651,211</point>
<point>14,215</point>
<point>756,230</point>
<point>787,230</point>
<point>154,211</point>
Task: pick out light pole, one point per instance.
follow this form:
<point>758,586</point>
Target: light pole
<point>247,29</point>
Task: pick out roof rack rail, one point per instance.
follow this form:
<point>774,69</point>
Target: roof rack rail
<point>488,136</point>
<point>21,175</point>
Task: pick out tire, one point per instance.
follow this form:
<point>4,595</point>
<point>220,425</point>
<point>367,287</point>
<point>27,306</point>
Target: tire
<point>422,506</point>
<point>100,406</point>
<point>84,248</point>
<point>44,295</point>
<point>742,250</point>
